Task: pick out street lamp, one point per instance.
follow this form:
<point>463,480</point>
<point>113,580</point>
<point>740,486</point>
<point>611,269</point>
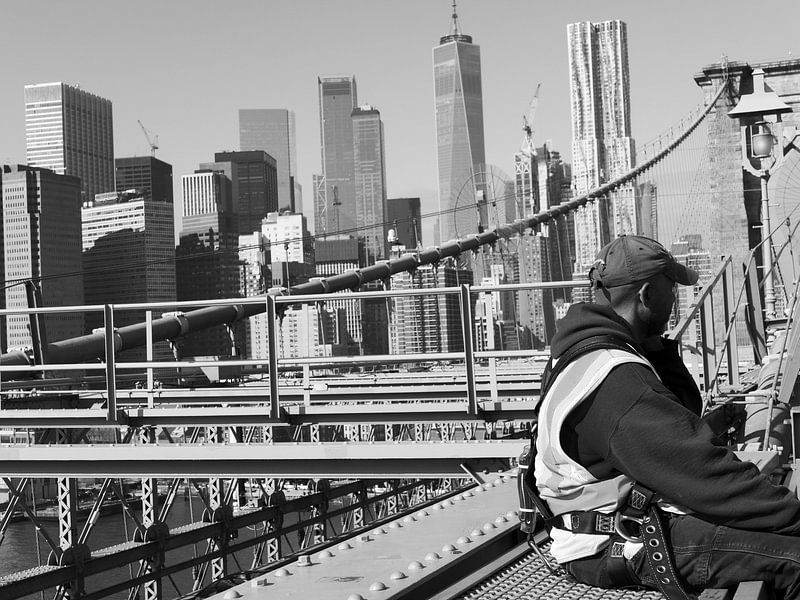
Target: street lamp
<point>759,115</point>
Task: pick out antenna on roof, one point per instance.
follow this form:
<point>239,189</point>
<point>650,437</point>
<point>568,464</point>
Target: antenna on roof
<point>454,28</point>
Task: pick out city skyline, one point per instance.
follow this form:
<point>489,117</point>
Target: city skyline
<point>663,60</point>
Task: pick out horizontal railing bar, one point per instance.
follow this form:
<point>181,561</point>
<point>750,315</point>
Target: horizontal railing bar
<point>294,299</point>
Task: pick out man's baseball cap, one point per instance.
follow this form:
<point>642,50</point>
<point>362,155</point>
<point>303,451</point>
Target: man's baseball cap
<point>632,258</point>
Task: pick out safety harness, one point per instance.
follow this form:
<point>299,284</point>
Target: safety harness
<point>639,520</point>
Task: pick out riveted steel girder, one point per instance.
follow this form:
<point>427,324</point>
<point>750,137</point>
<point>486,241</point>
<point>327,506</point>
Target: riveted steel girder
<point>329,459</point>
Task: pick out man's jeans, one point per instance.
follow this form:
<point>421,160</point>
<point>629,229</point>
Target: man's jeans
<point>711,556</point>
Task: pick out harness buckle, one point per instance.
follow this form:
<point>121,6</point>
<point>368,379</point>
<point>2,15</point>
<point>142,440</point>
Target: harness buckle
<point>621,526</point>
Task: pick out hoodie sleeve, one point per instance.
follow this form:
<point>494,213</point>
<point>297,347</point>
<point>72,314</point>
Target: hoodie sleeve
<point>667,448</point>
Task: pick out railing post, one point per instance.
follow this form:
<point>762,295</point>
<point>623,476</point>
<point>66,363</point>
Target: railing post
<point>490,345</point>
<point>728,307</point>
<point>36,323</point>
<point>707,342</point>
<point>307,384</point>
<point>467,328</point>
<point>150,377</point>
<point>272,343</point>
<point>111,380</point>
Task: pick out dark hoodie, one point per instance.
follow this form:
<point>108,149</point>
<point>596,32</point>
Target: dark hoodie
<point>650,429</point>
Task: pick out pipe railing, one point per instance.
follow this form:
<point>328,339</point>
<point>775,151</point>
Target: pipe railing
<point>471,353</point>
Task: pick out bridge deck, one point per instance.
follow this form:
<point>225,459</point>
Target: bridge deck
<point>528,577</point>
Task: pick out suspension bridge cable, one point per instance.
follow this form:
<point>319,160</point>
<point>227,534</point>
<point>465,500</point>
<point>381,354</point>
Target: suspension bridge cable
<point>133,263</point>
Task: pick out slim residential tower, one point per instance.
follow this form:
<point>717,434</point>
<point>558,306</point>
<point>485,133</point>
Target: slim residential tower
<point>602,146</point>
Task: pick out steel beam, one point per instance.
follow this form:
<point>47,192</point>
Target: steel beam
<point>297,414</point>
<point>331,459</point>
<point>414,556</point>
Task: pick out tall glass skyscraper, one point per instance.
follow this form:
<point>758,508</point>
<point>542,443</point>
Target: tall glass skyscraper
<point>273,131</point>
<point>70,131</point>
<point>370,181</point>
<point>602,146</point>
<point>335,205</point>
<point>459,132</point>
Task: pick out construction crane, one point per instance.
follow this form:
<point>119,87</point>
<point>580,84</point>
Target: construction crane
<point>152,141</point>
<point>527,125</point>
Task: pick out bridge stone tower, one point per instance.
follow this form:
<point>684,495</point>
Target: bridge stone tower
<point>734,196</point>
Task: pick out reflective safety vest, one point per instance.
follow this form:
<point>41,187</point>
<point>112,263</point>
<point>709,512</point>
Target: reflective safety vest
<point>564,484</point>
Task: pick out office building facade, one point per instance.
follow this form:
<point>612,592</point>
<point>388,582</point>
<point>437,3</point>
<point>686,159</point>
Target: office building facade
<point>554,183</point>
<point>291,249</point>
<point>430,323</point>
<point>272,130</point>
<point>206,260</point>
<point>370,181</point>
<point>128,246</point>
<point>602,146</point>
<point>459,131</point>
<point>70,131</point>
<point>145,176</point>
<point>254,261</point>
<point>254,186</point>
<point>335,205</point>
<point>42,243</point>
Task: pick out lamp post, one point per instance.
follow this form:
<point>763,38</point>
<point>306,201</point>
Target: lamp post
<point>759,115</point>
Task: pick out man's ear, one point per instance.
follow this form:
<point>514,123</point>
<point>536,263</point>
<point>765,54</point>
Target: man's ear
<point>645,294</point>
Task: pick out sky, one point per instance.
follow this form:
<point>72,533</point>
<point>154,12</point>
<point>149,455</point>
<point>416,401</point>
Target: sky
<point>185,68</point>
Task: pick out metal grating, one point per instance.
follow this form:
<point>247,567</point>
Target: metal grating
<point>529,578</point>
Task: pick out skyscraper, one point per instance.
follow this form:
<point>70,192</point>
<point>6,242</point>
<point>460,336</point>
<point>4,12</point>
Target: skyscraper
<point>273,131</point>
<point>207,261</point>
<point>554,180</point>
<point>70,132</point>
<point>42,242</point>
<point>333,257</point>
<point>150,177</point>
<point>335,206</point>
<point>254,261</point>
<point>602,146</point>
<point>128,255</point>
<point>254,185</point>
<point>291,249</point>
<point>370,181</point>
<point>432,323</point>
<point>459,130</point>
